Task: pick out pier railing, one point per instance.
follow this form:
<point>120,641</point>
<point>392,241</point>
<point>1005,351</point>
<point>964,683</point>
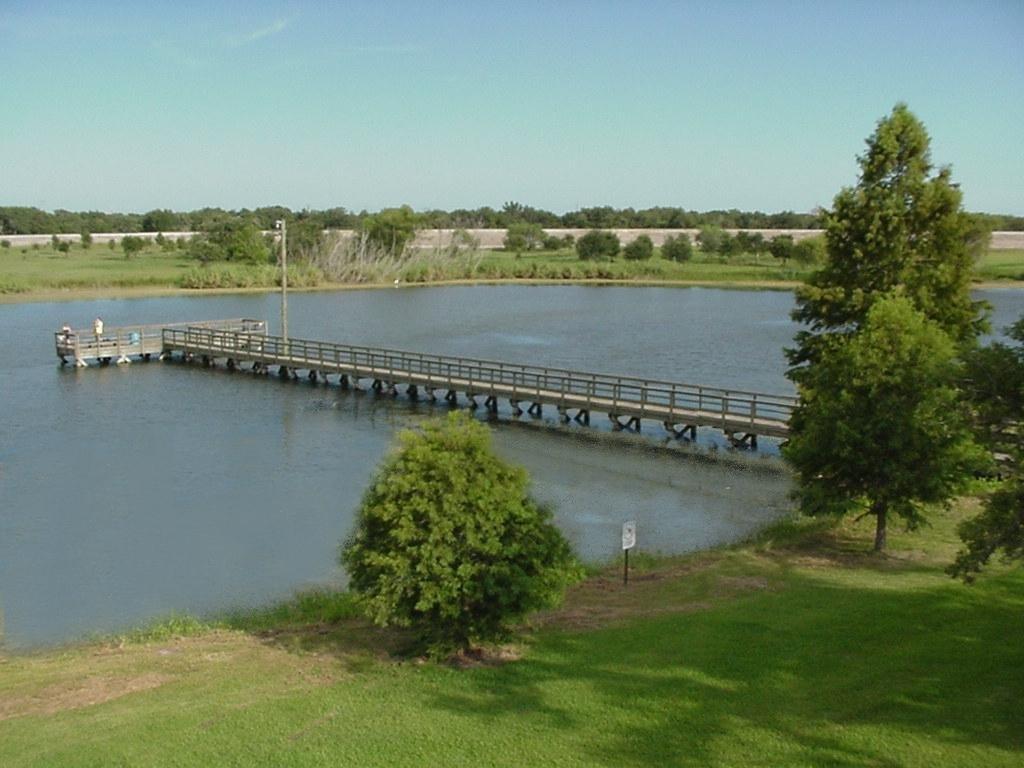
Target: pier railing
<point>122,342</point>
<point>670,402</point>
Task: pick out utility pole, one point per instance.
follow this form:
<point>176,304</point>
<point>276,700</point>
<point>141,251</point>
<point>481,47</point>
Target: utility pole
<point>283,226</point>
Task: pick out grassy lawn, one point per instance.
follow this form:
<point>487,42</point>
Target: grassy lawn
<point>798,649</point>
<point>98,266</point>
<point>28,271</point>
<point>1002,265</point>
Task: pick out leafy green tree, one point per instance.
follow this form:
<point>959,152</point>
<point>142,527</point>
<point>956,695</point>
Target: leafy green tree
<point>552,243</point>
<point>523,236</point>
<point>994,383</point>
<point>448,541</point>
<point>55,242</point>
<point>86,239</point>
<point>880,428</point>
<point>392,229</point>
<point>204,251</point>
<point>240,240</point>
<point>710,238</point>
<point>640,249</point>
<point>598,245</point>
<point>305,238</point>
<point>64,246</point>
<point>899,226</point>
<point>131,245</point>
<point>161,220</point>
<point>809,251</point>
<point>781,247</point>
<point>677,248</point>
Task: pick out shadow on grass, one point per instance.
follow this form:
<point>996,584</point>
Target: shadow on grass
<point>322,622</point>
<point>816,674</point>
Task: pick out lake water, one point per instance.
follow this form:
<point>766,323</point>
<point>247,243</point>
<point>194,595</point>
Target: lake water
<point>130,492</point>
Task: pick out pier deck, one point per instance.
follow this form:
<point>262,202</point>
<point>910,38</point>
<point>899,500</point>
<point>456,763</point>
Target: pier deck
<point>123,343</point>
<point>681,408</point>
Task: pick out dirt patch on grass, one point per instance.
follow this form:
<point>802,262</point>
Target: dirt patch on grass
<point>682,587</point>
<point>83,693</point>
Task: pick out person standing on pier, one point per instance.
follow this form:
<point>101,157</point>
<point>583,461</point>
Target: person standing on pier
<point>97,327</point>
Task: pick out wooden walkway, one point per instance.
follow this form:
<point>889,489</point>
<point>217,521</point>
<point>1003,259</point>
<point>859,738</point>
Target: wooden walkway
<point>142,341</point>
<point>681,408</point>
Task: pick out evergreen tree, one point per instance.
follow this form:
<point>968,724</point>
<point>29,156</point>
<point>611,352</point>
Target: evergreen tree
<point>899,226</point>
<point>880,427</point>
<point>449,542</point>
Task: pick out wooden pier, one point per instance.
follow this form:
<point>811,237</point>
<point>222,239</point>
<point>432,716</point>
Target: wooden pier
<point>627,401</point>
<point>681,408</point>
<point>124,343</point>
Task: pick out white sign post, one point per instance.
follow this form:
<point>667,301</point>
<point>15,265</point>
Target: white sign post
<point>628,542</point>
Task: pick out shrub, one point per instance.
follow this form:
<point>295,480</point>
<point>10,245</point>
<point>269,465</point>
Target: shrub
<point>131,245</point>
<point>781,247</point>
<point>710,238</point>
<point>552,243</point>
<point>5,243</point>
<point>64,246</point>
<point>809,251</point>
<point>598,245</point>
<point>677,248</point>
<point>641,249</point>
<point>523,236</point>
<point>448,542</point>
<point>392,229</point>
<point>86,239</point>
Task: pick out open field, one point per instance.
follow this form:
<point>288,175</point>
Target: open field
<point>27,273</point>
<point>800,649</point>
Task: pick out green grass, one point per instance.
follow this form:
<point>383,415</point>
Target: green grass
<point>97,267</point>
<point>27,270</point>
<point>800,648</point>
<point>1001,265</point>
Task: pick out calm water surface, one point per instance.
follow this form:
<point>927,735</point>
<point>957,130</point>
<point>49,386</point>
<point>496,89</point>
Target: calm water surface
<point>130,492</point>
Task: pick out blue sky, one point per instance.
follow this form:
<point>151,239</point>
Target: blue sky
<point>751,105</point>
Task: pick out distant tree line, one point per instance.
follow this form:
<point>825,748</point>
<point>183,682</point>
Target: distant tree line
<point>31,221</point>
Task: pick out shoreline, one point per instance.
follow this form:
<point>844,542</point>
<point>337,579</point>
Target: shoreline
<point>52,295</point>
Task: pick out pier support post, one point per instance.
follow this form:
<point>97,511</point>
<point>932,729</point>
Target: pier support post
<point>745,440</point>
<point>313,377</point>
<point>413,392</point>
<point>472,404</point>
<point>343,381</point>
<point>430,394</point>
<point>563,414</point>
<point>536,409</point>
<point>688,431</point>
<point>491,404</point>
<point>282,371</point>
<point>516,410</point>
<point>452,397</point>
<point>583,416</point>
<point>231,366</point>
<point>377,385</point>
